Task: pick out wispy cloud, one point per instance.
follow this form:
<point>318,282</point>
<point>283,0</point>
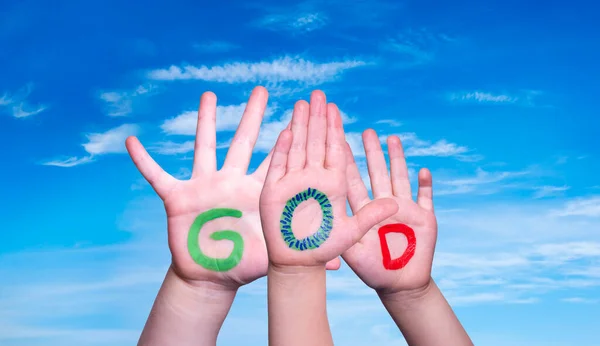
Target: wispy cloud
<point>518,277</point>
<point>580,300</point>
<point>69,161</point>
<point>282,70</point>
<point>5,100</point>
<point>173,148</point>
<point>482,180</point>
<point>416,147</point>
<point>440,148</point>
<point>389,122</point>
<point>215,47</point>
<point>17,105</point>
<point>583,206</point>
<point>109,142</point>
<point>415,47</point>
<point>520,97</point>
<point>296,23</point>
<point>228,119</point>
<point>549,191</point>
<point>120,103</point>
<point>482,97</point>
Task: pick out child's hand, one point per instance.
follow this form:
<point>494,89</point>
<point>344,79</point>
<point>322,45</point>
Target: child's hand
<point>396,254</point>
<point>228,196</point>
<point>303,202</point>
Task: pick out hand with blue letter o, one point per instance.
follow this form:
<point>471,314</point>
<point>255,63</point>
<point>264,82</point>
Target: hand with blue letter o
<point>303,201</point>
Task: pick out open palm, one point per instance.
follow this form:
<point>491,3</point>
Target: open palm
<point>396,254</point>
<point>214,205</point>
<point>303,202</point>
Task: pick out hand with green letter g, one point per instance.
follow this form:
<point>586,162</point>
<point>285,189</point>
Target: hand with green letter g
<point>213,220</point>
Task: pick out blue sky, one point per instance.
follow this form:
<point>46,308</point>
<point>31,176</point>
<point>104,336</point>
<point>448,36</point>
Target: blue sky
<point>496,98</point>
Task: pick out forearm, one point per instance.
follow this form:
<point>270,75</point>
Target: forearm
<point>297,307</point>
<point>425,318</point>
<point>186,314</point>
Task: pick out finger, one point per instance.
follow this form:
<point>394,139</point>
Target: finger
<point>378,173</point>
<point>261,172</point>
<point>317,130</point>
<point>161,181</point>
<point>373,213</point>
<point>398,169</point>
<point>335,156</point>
<point>240,151</point>
<point>277,168</point>
<point>358,195</point>
<point>334,264</point>
<point>205,155</point>
<point>425,193</point>
<point>297,157</point>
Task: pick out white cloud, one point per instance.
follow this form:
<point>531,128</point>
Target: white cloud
<point>69,161</point>
<point>412,52</point>
<point>228,119</point>
<point>483,97</point>
<point>389,122</point>
<point>282,70</point>
<point>111,141</point>
<point>23,110</point>
<point>17,104</point>
<point>5,100</point>
<point>347,119</point>
<point>568,251</point>
<point>580,300</point>
<point>354,139</point>
<point>583,206</point>
<point>294,22</point>
<point>548,191</point>
<point>415,47</point>
<point>414,146</point>
<point>440,148</point>
<point>482,178</point>
<point>120,103</point>
<point>173,148</point>
<point>269,132</point>
<point>408,139</point>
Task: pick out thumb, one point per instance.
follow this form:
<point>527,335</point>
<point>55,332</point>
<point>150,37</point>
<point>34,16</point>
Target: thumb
<point>373,213</point>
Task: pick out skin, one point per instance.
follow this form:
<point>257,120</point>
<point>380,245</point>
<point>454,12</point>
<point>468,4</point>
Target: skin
<point>409,294</point>
<point>193,301</point>
<point>310,154</point>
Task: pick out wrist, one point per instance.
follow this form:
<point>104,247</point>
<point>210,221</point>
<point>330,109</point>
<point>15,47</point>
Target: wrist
<point>294,278</point>
<point>295,270</point>
<point>194,293</point>
<point>411,297</point>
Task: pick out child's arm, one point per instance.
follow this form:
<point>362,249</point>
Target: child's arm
<point>184,314</point>
<point>395,256</point>
<point>303,213</point>
<point>214,229</point>
<point>297,306</point>
<point>425,317</point>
